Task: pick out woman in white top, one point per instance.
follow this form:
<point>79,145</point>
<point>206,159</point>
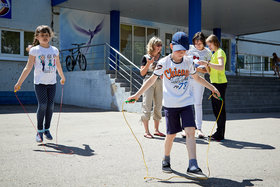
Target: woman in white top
<point>198,52</point>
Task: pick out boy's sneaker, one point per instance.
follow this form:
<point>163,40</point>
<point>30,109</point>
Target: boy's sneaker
<point>48,135</point>
<point>196,173</point>
<point>166,167</point>
<point>39,137</point>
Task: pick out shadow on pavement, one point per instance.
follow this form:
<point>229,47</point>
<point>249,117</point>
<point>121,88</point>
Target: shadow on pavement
<point>230,144</point>
<point>244,145</point>
<point>198,140</point>
<point>58,148</point>
<point>217,182</point>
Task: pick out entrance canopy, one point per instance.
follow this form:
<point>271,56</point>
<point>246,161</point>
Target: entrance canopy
<point>237,17</point>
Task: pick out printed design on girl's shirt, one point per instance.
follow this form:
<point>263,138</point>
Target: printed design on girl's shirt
<point>179,78</point>
<point>50,60</point>
<point>196,60</point>
<point>42,60</point>
<point>54,56</point>
<point>49,57</point>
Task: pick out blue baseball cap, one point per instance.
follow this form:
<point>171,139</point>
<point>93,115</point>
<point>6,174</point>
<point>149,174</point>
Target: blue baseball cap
<point>180,41</point>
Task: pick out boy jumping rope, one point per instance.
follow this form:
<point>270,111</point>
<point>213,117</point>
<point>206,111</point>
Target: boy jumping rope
<point>176,69</point>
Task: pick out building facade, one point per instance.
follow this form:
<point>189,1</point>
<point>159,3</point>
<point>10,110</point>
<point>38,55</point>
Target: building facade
<point>129,35</point>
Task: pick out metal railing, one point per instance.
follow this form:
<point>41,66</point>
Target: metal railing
<point>254,68</point>
<point>105,57</point>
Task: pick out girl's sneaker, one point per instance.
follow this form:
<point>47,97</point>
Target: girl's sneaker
<point>48,135</point>
<point>39,137</point>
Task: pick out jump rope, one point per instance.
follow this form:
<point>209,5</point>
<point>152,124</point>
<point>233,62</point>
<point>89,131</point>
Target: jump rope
<point>56,139</point>
<point>175,176</point>
<point>140,146</point>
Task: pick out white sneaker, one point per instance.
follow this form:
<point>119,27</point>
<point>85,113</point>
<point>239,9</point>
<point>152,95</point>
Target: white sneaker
<point>196,174</point>
<point>200,134</point>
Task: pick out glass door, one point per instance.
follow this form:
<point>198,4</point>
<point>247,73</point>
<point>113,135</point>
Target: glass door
<point>126,41</point>
<point>168,38</point>
<point>139,44</point>
<point>134,40</point>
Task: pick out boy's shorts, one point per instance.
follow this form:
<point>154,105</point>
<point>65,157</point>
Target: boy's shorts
<point>174,117</point>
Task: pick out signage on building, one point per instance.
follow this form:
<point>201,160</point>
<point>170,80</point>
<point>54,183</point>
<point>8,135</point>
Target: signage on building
<point>5,9</point>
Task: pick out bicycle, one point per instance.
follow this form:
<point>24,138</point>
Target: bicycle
<point>80,58</point>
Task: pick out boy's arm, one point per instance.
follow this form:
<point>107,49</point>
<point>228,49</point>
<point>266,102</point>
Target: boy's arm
<point>147,84</point>
<point>206,84</point>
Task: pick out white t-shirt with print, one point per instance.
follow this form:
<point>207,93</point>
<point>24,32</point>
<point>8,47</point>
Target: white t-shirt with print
<point>45,64</point>
<point>198,55</point>
<point>177,91</point>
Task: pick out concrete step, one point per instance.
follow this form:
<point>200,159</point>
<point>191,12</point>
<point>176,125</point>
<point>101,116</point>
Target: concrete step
<point>246,98</point>
<point>244,94</point>
<point>243,88</point>
<point>122,80</point>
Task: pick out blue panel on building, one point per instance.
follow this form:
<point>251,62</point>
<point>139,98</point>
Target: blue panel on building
<point>194,18</point>
<point>56,2</point>
<point>26,97</point>
<point>218,33</point>
<point>114,33</point>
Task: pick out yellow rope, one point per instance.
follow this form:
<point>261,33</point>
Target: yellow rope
<point>175,176</point>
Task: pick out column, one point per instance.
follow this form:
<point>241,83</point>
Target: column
<point>217,32</point>
<point>114,33</point>
<point>194,18</point>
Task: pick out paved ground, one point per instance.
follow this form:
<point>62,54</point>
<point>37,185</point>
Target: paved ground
<point>106,154</point>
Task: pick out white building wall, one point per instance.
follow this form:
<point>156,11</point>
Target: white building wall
<point>260,49</point>
<point>28,14</point>
<point>94,89</point>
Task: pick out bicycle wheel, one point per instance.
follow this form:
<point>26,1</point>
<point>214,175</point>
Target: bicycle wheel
<point>70,63</point>
<point>82,61</point>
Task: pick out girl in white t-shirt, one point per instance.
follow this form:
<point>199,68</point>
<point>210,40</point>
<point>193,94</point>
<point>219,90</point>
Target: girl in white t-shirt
<point>45,59</point>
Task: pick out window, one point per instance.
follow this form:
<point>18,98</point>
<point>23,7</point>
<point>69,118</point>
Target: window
<point>134,40</point>
<point>151,33</point>
<point>226,47</point>
<point>13,43</point>
<point>126,41</point>
<point>168,39</point>
<point>28,40</point>
<point>10,42</point>
<point>139,44</point>
<point>257,64</point>
<point>266,63</point>
<point>240,61</point>
<point>253,62</point>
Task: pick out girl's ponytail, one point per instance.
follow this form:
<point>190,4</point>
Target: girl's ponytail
<point>35,42</point>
